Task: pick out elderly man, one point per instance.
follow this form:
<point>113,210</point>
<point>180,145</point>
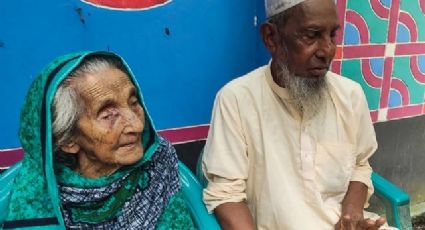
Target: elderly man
<point>289,142</point>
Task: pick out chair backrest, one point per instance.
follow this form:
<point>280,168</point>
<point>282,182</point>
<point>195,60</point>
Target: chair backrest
<point>192,191</point>
<point>199,173</point>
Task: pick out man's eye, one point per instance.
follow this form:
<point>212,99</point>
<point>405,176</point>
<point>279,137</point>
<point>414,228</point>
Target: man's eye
<point>312,34</point>
<point>333,33</point>
<point>333,37</point>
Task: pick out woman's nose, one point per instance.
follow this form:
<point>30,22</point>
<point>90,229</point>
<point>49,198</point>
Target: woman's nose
<point>134,122</point>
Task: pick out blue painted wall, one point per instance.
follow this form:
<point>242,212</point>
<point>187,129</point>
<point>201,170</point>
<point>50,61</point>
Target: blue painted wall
<point>209,43</point>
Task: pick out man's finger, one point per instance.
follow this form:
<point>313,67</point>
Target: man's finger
<point>381,221</point>
<point>375,225</point>
<point>367,224</point>
<point>372,224</point>
<point>338,225</point>
<point>348,223</point>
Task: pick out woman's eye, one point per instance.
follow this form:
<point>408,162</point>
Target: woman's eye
<point>108,114</point>
<point>134,101</point>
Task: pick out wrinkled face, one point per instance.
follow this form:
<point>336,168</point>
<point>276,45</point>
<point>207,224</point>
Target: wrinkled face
<point>110,128</point>
<point>308,38</point>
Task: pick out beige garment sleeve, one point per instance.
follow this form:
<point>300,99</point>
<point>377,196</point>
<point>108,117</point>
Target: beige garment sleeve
<point>225,161</point>
<point>366,144</point>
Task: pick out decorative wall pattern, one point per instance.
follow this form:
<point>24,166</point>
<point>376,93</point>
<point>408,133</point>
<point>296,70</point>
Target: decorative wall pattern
<point>127,4</point>
<point>382,46</point>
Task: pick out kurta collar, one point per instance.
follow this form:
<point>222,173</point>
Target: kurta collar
<point>279,91</point>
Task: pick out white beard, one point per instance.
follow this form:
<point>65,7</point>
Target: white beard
<point>308,95</point>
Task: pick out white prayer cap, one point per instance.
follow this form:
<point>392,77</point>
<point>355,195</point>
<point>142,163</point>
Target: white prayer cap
<point>274,7</point>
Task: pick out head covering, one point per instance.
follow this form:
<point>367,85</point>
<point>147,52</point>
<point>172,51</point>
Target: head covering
<point>143,195</point>
<point>274,7</point>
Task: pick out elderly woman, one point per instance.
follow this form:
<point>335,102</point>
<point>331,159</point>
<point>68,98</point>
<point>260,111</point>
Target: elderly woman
<point>93,158</point>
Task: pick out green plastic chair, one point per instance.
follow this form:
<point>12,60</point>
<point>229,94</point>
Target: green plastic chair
<point>191,188</point>
<point>192,191</point>
<point>395,200</point>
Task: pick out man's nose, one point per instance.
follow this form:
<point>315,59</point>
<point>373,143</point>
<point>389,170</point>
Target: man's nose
<point>134,122</point>
<point>326,49</point>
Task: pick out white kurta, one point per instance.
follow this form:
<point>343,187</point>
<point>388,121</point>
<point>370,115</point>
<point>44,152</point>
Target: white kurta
<point>293,174</point>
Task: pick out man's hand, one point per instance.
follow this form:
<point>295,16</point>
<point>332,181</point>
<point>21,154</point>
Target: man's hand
<point>234,216</point>
<point>353,220</point>
<point>352,210</point>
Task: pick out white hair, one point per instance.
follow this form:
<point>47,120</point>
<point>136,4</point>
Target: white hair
<point>66,110</point>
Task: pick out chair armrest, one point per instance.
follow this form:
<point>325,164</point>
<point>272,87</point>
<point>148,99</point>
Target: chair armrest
<point>388,190</point>
<point>395,200</point>
<point>6,181</point>
<point>192,191</point>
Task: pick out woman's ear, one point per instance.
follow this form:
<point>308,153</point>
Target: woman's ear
<point>71,147</point>
<point>270,36</point>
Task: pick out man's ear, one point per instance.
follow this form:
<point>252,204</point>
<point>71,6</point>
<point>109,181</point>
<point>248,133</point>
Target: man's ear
<point>270,36</point>
<point>71,147</point>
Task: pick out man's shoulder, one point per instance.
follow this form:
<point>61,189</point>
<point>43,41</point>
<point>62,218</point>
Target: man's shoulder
<point>247,82</point>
